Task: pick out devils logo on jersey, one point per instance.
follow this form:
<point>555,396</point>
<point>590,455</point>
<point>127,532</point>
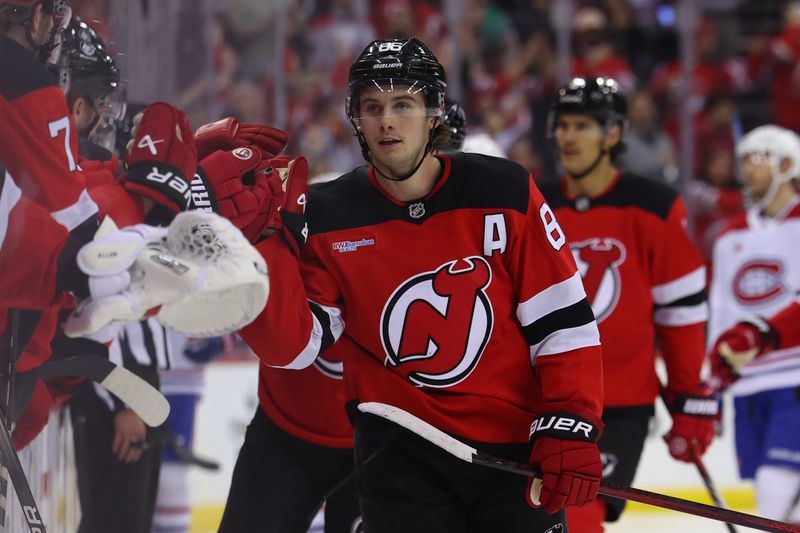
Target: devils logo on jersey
<point>436,325</point>
<point>759,281</point>
<point>598,262</point>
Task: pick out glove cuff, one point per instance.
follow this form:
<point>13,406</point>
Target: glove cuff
<point>566,421</point>
<point>163,183</point>
<point>701,405</point>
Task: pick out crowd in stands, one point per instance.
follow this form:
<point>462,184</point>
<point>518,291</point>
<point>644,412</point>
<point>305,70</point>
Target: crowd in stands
<point>746,56</point>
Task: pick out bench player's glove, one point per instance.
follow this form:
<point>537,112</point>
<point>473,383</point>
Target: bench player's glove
<point>161,164</point>
<point>694,419</point>
<point>738,346</point>
<point>229,133</point>
<point>564,437</point>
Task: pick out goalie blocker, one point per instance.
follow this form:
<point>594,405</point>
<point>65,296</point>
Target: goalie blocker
<point>199,277</point>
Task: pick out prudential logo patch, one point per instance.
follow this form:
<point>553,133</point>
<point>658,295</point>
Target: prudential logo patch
<point>351,246</point>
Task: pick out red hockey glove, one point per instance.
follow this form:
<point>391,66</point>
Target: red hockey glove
<point>694,417</point>
<point>290,216</point>
<point>229,133</point>
<point>243,184</point>
<point>738,346</point>
<point>565,449</point>
<point>163,158</point>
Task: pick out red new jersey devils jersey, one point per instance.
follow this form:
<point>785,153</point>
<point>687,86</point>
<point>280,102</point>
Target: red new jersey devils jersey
<point>644,279</point>
<point>463,307</point>
<point>43,198</point>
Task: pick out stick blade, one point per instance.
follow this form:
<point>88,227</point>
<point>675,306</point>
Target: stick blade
<point>420,427</point>
<point>151,406</point>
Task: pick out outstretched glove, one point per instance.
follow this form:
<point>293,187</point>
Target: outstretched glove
<point>738,346</point>
<point>229,133</point>
<point>694,417</point>
<point>564,437</point>
<point>244,184</point>
<point>163,158</point>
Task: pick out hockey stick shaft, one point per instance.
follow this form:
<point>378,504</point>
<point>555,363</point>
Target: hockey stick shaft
<point>469,454</point>
<point>716,497</point>
<point>26,499</point>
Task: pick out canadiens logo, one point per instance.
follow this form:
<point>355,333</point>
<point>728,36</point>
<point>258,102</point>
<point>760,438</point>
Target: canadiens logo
<point>598,261</point>
<point>436,325</point>
<point>758,281</point>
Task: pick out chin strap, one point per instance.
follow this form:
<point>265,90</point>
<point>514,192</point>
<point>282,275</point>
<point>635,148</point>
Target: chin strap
<point>590,168</point>
<point>365,153</point>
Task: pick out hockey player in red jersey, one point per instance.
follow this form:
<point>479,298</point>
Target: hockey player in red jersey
<point>754,319</point>
<point>449,279</point>
<point>644,279</point>
<point>296,452</point>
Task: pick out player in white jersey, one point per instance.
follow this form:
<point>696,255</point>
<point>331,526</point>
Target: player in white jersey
<point>756,273</point>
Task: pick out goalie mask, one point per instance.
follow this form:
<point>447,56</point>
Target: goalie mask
<point>86,69</point>
<point>396,65</point>
<point>771,145</point>
<point>21,13</point>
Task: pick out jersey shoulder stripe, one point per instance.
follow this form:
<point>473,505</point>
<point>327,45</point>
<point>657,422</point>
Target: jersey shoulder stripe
<point>631,191</point>
<point>472,181</point>
<point>20,72</point>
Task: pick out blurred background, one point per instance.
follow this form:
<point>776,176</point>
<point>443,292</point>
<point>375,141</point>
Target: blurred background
<point>697,74</point>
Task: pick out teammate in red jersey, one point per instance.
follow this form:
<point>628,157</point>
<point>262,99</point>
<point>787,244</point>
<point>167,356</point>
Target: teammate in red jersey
<point>449,279</point>
<point>644,278</point>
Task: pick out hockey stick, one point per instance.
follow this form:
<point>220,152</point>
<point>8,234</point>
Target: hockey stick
<point>716,496</point>
<point>9,460</point>
<point>185,455</point>
<point>144,399</point>
<point>471,455</point>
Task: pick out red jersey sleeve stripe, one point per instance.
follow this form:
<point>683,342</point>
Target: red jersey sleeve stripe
<point>686,285</point>
<point>9,196</point>
<point>326,329</point>
<point>566,340</point>
<point>557,296</point>
<point>74,215</point>
<point>681,315</point>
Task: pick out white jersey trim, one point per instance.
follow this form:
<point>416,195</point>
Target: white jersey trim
<point>309,354</point>
<point>73,216</point>
<point>686,285</point>
<point>567,339</point>
<point>553,298</point>
<point>9,197</point>
<point>682,315</point>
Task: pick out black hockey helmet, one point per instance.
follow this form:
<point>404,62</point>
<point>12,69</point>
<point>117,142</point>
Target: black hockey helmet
<point>86,69</point>
<point>455,119</point>
<point>405,62</point>
<point>600,98</point>
<point>21,13</point>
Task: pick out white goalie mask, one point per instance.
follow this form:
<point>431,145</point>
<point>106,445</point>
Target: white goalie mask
<point>775,144</point>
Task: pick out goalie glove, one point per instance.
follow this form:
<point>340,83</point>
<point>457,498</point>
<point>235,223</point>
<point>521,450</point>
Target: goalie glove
<point>199,276</point>
<point>229,133</point>
<point>739,345</point>
<point>694,419</point>
<point>163,159</point>
<point>564,437</point>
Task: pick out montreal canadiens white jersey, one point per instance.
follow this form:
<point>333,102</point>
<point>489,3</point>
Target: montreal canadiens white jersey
<point>757,272</point>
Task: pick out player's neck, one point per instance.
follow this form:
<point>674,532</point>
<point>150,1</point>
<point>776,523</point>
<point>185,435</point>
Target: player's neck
<point>783,197</point>
<point>593,184</point>
<point>418,185</point>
